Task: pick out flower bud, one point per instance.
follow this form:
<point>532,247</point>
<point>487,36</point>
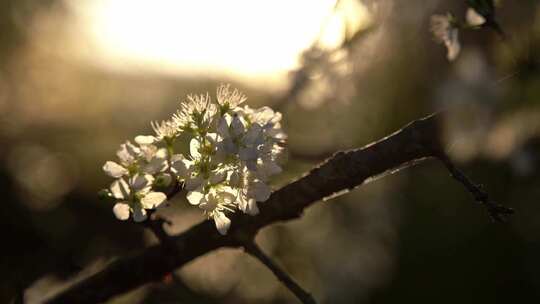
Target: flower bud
<point>105,195</point>
<point>163,180</point>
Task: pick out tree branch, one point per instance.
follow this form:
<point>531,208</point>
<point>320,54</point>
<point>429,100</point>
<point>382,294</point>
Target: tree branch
<point>155,224</point>
<point>343,171</point>
<point>497,213</point>
<point>300,293</point>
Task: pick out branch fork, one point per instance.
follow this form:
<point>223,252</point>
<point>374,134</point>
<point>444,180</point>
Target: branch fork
<point>418,141</point>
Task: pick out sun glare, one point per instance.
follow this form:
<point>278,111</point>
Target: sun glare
<point>251,40</point>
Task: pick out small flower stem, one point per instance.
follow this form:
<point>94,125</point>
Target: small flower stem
<point>252,249</point>
<point>170,152</point>
<point>497,213</point>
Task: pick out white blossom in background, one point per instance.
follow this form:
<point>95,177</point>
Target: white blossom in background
<point>473,18</point>
<point>446,30</point>
<point>233,152</point>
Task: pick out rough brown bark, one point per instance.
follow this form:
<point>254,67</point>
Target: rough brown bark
<point>344,170</point>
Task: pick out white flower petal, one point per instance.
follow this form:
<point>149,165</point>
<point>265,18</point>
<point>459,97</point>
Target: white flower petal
<point>162,153</point>
<point>156,165</point>
<point>132,149</point>
<point>251,164</point>
<point>226,147</point>
<point>208,203</point>
<point>145,139</point>
<point>114,170</point>
<point>153,200</point>
<point>222,222</point>
<point>217,177</point>
<point>177,158</point>
<point>226,195</point>
<point>141,181</point>
<point>263,115</point>
<point>128,153</point>
<point>276,134</point>
<point>247,153</point>
<point>253,135</point>
<point>195,197</point>
<point>212,138</point>
<point>276,118</point>
<point>120,189</point>
<point>223,128</point>
<point>121,211</point>
<point>180,166</point>
<point>267,168</point>
<point>144,191</point>
<point>259,191</point>
<point>193,183</point>
<point>139,214</point>
<point>272,168</point>
<point>229,190</point>
<point>248,206</point>
<point>148,152</point>
<point>237,126</point>
<point>473,18</point>
<point>234,179</point>
<point>194,146</point>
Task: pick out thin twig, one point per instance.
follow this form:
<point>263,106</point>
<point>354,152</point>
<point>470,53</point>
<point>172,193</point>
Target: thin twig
<point>300,293</point>
<point>497,212</point>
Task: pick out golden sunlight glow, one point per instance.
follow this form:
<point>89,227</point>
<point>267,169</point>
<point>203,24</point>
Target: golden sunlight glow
<point>251,40</point>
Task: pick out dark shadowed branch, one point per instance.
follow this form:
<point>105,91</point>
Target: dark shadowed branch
<point>343,171</point>
<point>155,224</point>
<point>497,212</point>
<point>256,252</point>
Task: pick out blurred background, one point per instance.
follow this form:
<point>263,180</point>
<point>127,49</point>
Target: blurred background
<point>77,78</point>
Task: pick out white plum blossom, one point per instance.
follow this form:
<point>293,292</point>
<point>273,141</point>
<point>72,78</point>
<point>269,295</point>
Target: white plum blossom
<point>180,165</point>
<point>195,115</point>
<point>232,152</point>
<point>127,155</point>
<point>446,30</point>
<point>228,99</point>
<point>135,196</point>
<point>215,203</point>
<point>167,129</point>
<point>154,160</point>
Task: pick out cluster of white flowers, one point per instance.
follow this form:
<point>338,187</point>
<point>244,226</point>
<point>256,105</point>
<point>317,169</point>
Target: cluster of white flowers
<point>233,151</point>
